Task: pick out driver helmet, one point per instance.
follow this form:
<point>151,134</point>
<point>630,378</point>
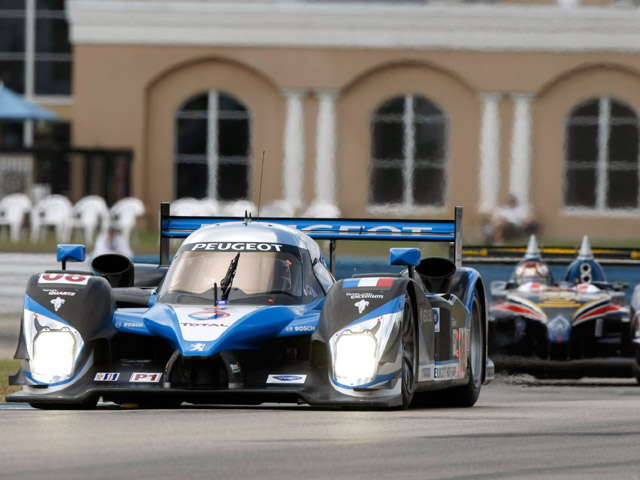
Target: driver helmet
<point>532,271</point>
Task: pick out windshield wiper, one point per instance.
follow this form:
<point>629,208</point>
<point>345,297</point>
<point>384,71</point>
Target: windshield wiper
<point>225,284</point>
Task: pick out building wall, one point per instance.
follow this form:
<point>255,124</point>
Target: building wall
<point>128,85</point>
<point>554,102</point>
<point>136,108</point>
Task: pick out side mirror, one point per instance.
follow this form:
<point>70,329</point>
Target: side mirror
<point>71,253</point>
<point>153,298</point>
<point>404,256</point>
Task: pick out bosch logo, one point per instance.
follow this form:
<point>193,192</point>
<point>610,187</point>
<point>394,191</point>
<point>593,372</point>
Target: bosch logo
<point>129,325</point>
<point>301,328</point>
<point>306,328</point>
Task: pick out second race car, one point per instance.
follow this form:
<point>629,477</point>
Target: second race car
<point>580,326</point>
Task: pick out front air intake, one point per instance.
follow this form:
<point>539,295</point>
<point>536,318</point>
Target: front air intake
<point>117,269</point>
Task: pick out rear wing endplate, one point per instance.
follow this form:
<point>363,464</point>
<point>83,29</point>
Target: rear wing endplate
<point>332,229</point>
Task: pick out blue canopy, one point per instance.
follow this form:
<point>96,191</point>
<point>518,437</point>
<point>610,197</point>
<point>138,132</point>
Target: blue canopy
<point>16,107</point>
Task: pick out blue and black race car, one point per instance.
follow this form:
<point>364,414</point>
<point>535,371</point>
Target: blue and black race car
<point>248,312</point>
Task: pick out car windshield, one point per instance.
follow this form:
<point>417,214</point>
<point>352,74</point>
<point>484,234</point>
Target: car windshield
<point>260,277</point>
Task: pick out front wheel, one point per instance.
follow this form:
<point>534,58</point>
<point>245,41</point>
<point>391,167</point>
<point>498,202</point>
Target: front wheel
<point>465,395</point>
<point>409,356</point>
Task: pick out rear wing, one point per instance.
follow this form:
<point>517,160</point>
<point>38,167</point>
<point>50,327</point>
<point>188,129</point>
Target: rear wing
<point>551,255</point>
<point>332,229</point>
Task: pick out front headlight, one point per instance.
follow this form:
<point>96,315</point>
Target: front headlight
<point>53,353</point>
<point>355,357</point>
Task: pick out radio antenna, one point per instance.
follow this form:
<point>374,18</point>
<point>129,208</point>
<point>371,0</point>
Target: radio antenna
<point>260,189</point>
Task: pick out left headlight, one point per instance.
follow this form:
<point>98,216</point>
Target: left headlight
<point>355,357</point>
<point>53,353</point>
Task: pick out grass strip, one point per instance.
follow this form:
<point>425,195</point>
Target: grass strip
<point>8,367</point>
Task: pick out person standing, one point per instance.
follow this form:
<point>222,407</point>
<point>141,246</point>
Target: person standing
<point>112,241</point>
<point>510,220</point>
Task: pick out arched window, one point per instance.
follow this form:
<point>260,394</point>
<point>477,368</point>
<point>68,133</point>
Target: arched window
<point>601,149</point>
<point>212,147</point>
<point>408,153</point>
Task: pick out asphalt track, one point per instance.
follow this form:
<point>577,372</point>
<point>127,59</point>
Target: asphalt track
<point>521,428</point>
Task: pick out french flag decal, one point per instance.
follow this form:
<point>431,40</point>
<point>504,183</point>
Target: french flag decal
<point>367,282</point>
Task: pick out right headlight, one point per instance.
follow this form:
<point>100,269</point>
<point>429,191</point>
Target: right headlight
<point>53,353</point>
<point>355,357</point>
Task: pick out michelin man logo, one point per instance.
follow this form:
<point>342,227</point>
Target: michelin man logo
<point>57,303</point>
<point>362,304</point>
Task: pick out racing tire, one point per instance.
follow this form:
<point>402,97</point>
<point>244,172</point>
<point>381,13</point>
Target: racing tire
<point>409,356</point>
<point>466,395</point>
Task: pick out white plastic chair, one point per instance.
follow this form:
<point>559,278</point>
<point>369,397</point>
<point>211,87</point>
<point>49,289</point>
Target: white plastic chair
<point>322,210</point>
<point>188,207</point>
<point>279,208</point>
<point>210,207</point>
<point>125,213</point>
<point>88,213</point>
<point>13,208</point>
<point>238,208</point>
<point>52,211</point>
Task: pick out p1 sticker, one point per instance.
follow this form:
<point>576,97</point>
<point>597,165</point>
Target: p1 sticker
<point>436,319</point>
<point>139,377</point>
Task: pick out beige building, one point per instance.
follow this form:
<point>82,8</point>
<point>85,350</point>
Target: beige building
<point>371,109</point>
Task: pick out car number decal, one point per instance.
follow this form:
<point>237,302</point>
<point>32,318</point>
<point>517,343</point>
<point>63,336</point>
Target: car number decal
<point>62,278</point>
